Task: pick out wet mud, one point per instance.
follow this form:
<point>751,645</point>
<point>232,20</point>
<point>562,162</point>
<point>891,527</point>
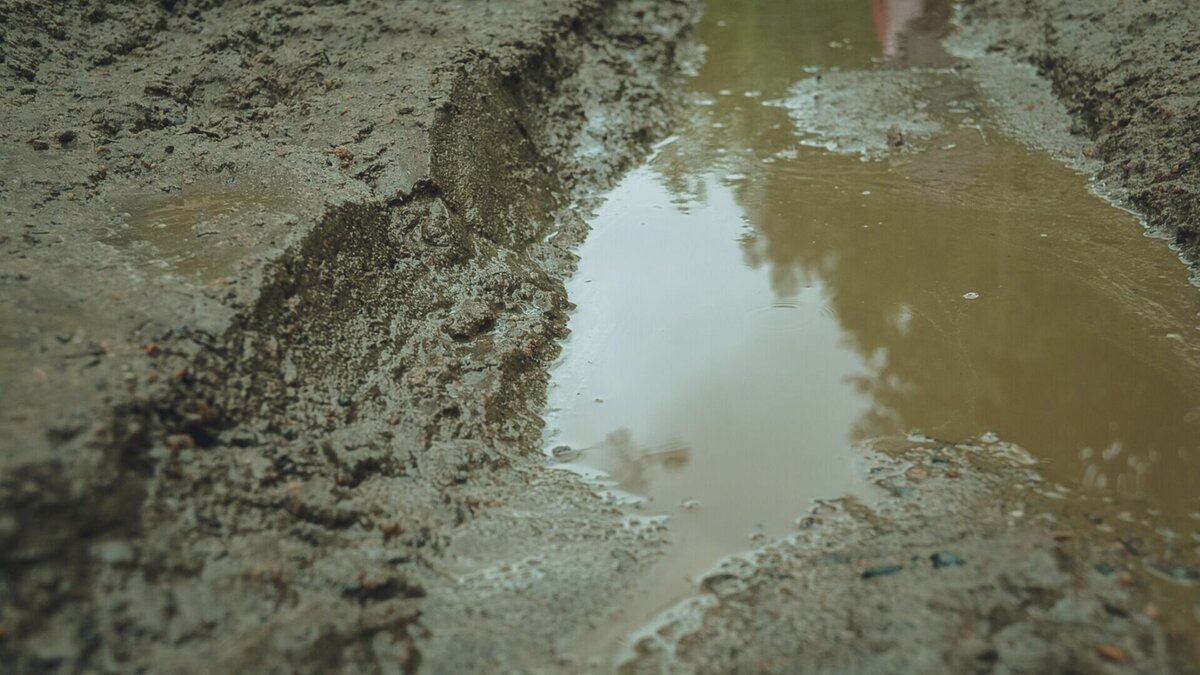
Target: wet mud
<point>276,315</point>
<point>281,288</point>
<point>1126,71</point>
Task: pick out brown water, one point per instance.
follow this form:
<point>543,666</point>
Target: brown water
<point>759,302</point>
<point>199,231</point>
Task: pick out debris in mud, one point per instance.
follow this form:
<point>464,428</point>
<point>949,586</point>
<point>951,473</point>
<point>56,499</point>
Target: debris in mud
<point>868,113</point>
<point>881,571</point>
<point>1112,653</point>
<point>114,553</point>
<point>344,156</point>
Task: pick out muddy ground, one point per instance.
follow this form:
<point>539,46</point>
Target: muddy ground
<point>1130,75</point>
<point>278,307</point>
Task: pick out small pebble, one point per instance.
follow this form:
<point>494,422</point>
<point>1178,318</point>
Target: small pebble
<point>946,559</point>
<point>1112,653</point>
<point>881,571</point>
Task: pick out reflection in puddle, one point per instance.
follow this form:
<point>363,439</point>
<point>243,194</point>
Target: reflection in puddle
<point>764,298</point>
<point>632,466</point>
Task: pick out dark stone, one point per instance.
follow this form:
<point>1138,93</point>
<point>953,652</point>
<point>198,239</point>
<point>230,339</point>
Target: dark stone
<point>881,571</point>
<point>946,559</point>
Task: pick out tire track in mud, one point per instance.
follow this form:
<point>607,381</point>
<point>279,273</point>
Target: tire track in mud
<point>279,489</point>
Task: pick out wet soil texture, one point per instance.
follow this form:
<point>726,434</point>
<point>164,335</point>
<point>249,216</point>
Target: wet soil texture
<point>275,313</point>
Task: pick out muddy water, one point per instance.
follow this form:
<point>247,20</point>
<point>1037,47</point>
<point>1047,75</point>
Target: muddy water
<point>843,245</point>
<point>197,231</point>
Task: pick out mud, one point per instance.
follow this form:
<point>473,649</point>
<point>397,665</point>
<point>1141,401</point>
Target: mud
<point>281,283</point>
<point>276,317</point>
<point>1127,72</point>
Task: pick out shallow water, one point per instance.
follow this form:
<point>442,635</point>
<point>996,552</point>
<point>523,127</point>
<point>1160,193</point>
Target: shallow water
<point>196,232</point>
<point>778,288</point>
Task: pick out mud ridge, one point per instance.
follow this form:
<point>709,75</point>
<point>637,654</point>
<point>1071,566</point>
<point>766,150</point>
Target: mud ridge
<point>270,488</point>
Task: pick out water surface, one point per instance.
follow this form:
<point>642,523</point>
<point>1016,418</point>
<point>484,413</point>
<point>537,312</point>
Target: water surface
<point>783,285</point>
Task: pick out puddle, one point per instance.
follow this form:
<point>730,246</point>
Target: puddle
<point>786,282</point>
<point>204,230</point>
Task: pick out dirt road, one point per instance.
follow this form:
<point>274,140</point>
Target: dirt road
<point>278,303</point>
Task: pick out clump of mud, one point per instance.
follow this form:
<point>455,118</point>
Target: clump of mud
<point>867,113</point>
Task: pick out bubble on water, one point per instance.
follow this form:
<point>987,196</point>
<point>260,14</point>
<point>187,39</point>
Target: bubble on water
<point>989,437</point>
<point>971,295</point>
<point>782,315</point>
